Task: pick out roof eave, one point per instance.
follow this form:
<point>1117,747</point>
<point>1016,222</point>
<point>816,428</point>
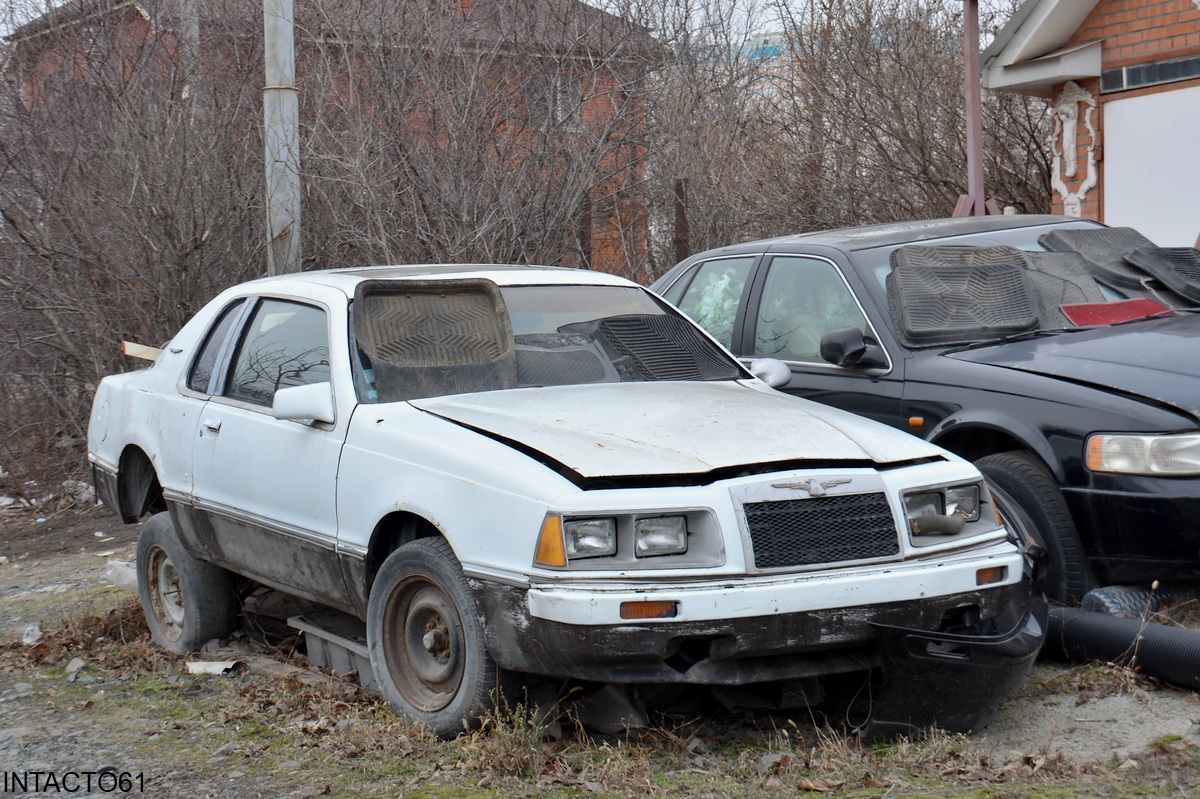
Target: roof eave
<point>1039,75</point>
<point>1037,28</point>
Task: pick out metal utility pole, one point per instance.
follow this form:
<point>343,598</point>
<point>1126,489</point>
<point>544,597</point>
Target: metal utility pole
<point>281,136</point>
<point>974,202</point>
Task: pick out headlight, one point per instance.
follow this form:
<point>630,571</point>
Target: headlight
<point>963,501</point>
<point>943,511</point>
<point>662,535</point>
<point>590,538</point>
<point>1170,455</point>
<point>619,540</point>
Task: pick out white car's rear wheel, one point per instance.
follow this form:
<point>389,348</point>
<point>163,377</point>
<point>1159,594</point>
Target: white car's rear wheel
<point>426,640</point>
<point>187,602</point>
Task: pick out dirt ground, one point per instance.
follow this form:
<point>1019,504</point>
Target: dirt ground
<point>72,529</point>
<point>53,571</point>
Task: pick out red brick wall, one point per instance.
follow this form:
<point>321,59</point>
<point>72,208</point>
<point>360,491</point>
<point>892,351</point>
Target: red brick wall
<point>1131,32</point>
<point>1136,31</point>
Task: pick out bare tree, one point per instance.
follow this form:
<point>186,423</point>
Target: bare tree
<point>847,112</point>
<point>129,195</point>
<point>509,133</point>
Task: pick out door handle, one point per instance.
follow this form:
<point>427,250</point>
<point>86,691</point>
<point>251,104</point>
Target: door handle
<point>213,425</point>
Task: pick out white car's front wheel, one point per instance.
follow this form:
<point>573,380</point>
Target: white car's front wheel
<point>426,640</point>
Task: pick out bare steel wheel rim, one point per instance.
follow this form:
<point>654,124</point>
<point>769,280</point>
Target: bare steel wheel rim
<point>166,595</point>
<point>424,645</point>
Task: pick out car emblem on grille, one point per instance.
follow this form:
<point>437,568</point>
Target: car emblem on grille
<point>813,487</point>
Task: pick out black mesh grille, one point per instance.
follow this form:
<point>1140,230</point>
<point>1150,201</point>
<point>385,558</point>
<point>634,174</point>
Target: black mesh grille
<point>800,532</point>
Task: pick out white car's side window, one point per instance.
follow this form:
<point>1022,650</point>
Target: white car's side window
<point>285,344</point>
<point>204,367</point>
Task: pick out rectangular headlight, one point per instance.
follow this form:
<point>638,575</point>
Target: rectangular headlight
<point>661,535</point>
<point>942,511</point>
<point>590,538</point>
<point>1169,455</point>
<point>926,503</point>
<point>963,501</point>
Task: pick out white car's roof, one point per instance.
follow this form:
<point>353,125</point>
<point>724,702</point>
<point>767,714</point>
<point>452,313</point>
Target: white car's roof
<point>346,280</point>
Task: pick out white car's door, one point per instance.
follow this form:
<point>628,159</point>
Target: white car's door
<point>265,488</point>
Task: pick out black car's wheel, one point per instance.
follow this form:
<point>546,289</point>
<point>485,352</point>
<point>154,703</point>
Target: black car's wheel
<point>426,640</point>
<point>1027,483</point>
<point>187,602</point>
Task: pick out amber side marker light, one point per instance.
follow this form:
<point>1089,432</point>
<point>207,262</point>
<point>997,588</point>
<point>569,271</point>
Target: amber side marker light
<point>649,610</point>
<point>916,421</point>
<point>993,575</point>
<point>550,548</point>
<point>1095,454</point>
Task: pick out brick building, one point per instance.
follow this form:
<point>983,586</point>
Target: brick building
<point>551,123</point>
<point>1124,80</point>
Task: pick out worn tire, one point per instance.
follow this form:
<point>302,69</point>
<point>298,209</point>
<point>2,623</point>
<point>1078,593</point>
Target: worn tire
<point>1029,484</point>
<point>426,640</point>
<point>187,602</point>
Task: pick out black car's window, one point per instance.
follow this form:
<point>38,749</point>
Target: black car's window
<point>803,299</point>
<point>713,294</point>
<point>285,344</point>
<point>200,377</point>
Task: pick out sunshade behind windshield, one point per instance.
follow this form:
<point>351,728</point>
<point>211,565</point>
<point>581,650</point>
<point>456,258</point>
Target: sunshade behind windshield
<point>955,294</point>
<point>429,338</point>
<point>1104,249</point>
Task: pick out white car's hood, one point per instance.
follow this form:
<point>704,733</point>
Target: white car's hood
<point>662,428</point>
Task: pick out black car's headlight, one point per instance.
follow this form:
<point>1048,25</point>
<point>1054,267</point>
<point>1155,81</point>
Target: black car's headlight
<point>1175,455</point>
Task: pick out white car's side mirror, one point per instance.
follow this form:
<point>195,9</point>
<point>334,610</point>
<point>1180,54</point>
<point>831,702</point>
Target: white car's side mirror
<point>773,372</point>
<point>311,403</point>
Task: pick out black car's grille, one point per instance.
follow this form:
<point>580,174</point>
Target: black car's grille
<point>801,532</point>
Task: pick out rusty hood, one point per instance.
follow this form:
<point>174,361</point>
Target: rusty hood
<point>669,428</point>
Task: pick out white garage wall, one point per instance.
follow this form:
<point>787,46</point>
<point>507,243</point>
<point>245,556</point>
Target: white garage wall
<point>1152,165</point>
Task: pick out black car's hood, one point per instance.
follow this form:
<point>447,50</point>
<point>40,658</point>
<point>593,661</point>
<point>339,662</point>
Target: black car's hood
<point>1154,358</point>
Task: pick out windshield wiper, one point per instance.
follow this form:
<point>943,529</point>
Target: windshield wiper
<point>1027,335</point>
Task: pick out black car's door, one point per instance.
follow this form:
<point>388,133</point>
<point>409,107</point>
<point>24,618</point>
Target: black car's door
<point>793,300</point>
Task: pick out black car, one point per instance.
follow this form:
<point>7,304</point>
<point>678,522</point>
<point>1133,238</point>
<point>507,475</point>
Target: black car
<point>1060,355</point>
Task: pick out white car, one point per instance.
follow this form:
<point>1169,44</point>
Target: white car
<point>529,470</point>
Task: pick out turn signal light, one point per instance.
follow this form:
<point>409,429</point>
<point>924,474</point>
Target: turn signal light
<point>550,549</point>
<point>995,574</point>
<point>649,610</point>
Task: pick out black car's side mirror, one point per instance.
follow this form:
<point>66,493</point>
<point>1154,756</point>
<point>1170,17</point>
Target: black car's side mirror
<point>849,346</point>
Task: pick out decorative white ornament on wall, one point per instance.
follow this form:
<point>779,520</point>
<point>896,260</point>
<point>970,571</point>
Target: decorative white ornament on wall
<point>1064,145</point>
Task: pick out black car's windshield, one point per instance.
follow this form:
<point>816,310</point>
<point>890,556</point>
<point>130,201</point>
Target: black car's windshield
<point>460,337</point>
<point>1035,281</point>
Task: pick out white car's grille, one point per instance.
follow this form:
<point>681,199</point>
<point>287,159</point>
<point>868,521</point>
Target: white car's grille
<point>815,530</point>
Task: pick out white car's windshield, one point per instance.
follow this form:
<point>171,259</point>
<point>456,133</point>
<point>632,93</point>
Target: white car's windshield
<point>541,335</point>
